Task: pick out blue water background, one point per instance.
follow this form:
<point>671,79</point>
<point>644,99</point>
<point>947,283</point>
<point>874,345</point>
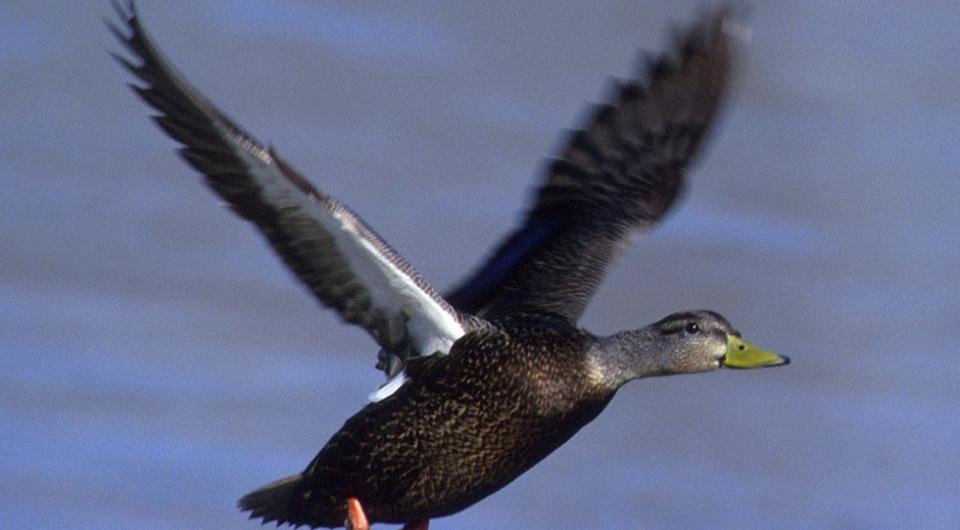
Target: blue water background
<point>157,362</point>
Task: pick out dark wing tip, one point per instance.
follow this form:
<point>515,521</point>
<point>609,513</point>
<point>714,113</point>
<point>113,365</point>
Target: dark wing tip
<point>127,13</point>
<point>619,173</point>
<point>650,126</point>
<point>185,115</point>
<point>670,105</point>
<point>134,38</point>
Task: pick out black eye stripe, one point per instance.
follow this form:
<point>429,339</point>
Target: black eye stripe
<point>672,330</point>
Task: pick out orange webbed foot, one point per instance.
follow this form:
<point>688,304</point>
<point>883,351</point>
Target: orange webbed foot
<point>356,519</point>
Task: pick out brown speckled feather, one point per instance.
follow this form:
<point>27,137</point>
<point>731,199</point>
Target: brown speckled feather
<point>615,178</point>
<point>464,426</point>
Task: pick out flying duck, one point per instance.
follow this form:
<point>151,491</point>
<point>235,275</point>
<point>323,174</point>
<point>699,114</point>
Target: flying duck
<point>485,382</point>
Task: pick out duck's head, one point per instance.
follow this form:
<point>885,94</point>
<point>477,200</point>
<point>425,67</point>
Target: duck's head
<point>682,343</point>
<point>698,341</point>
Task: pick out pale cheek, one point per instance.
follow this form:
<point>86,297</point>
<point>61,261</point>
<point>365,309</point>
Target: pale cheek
<point>719,350</point>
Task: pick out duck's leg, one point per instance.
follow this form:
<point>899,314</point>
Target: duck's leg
<point>356,519</point>
<point>419,525</point>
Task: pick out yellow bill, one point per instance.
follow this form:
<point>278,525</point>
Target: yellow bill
<point>742,354</point>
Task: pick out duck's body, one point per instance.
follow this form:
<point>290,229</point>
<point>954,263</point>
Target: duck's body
<point>466,424</point>
<point>463,426</point>
<point>486,382</point>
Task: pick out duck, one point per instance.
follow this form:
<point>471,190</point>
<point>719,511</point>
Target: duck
<point>484,382</point>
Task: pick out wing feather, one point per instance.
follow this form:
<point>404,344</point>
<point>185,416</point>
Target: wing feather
<point>615,178</point>
<point>329,248</point>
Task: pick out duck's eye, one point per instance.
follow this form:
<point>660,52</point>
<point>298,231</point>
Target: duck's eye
<point>692,327</point>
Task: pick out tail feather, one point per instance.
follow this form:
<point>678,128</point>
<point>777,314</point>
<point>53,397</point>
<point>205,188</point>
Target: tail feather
<point>276,501</point>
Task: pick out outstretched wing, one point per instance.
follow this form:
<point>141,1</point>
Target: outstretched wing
<point>615,178</point>
<point>343,262</point>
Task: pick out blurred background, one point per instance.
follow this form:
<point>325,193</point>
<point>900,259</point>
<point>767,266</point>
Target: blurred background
<point>157,362</point>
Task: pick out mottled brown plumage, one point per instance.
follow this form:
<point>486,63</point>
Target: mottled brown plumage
<point>464,426</point>
<point>496,375</point>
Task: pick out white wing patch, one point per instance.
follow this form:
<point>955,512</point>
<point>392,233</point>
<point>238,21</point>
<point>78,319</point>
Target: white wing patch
<point>431,328</point>
<point>389,387</point>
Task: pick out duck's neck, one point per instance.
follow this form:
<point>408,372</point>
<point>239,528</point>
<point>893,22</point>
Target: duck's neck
<point>625,356</point>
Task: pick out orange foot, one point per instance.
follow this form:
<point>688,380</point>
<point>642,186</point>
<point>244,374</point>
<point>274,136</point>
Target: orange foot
<point>419,525</point>
<point>356,519</point>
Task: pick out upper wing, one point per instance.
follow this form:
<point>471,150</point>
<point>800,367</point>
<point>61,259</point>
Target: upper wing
<point>615,178</point>
<point>329,248</point>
